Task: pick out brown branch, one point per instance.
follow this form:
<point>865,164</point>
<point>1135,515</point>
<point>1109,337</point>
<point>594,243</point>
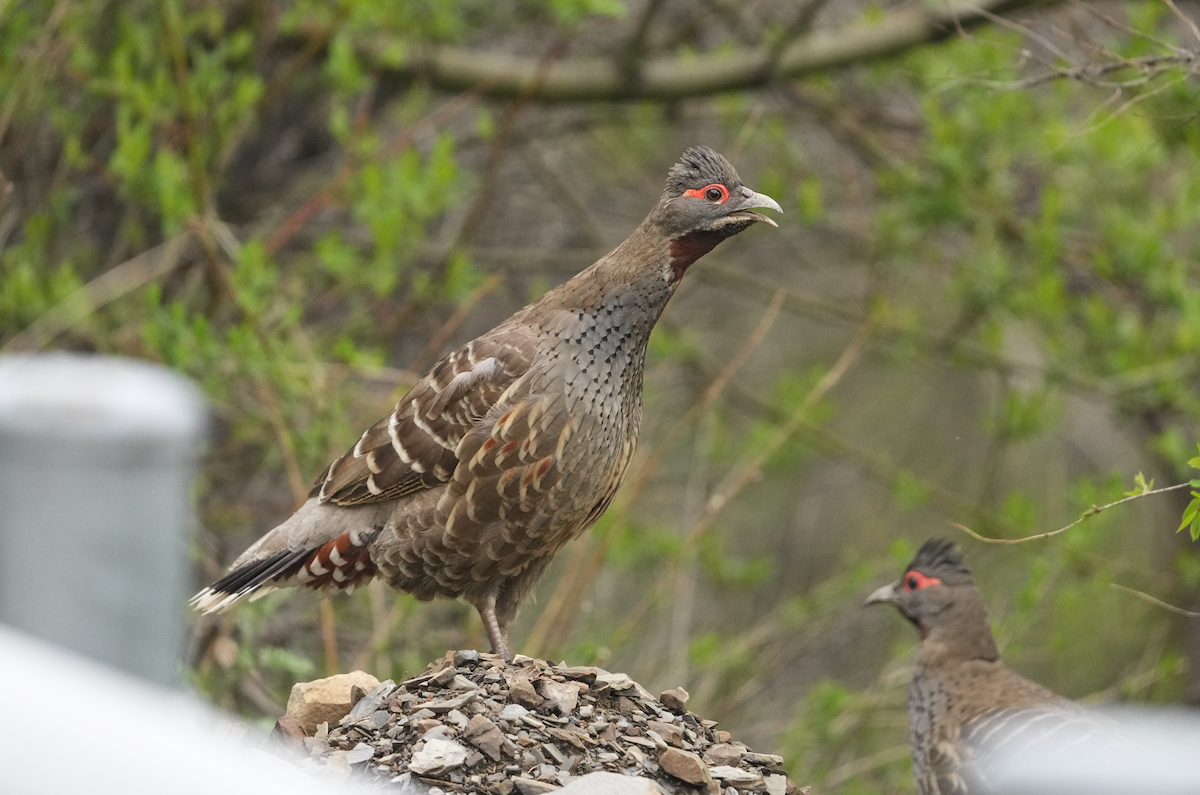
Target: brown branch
<point>1088,514</point>
<point>591,79</point>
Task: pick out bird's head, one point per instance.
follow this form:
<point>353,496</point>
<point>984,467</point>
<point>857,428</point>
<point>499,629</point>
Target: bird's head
<point>938,595</point>
<point>705,202</point>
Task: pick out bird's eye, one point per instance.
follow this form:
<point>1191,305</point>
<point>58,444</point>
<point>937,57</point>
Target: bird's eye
<point>915,581</point>
<point>714,192</point>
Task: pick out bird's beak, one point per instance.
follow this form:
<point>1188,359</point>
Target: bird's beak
<point>751,199</point>
<point>887,593</point>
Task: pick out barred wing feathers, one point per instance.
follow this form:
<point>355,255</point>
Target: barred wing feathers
<point>414,447</point>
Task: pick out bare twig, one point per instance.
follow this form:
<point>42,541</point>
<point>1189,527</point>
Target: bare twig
<point>1088,514</point>
<point>1185,19</point>
<point>1145,597</point>
<point>1117,24</point>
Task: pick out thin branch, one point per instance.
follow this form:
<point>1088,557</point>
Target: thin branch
<point>1145,597</point>
<point>1088,514</point>
<point>1185,19</point>
<point>593,79</point>
<point>738,480</point>
<point>1150,66</point>
<point>1117,24</point>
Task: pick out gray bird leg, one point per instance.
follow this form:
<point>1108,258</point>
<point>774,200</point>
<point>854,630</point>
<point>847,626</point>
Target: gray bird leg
<point>487,611</point>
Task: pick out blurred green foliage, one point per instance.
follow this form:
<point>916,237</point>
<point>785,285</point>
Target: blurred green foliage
<point>1039,242</point>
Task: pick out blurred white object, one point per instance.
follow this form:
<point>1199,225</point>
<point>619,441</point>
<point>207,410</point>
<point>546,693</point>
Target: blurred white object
<point>1160,756</point>
<point>68,725</point>
<point>96,460</point>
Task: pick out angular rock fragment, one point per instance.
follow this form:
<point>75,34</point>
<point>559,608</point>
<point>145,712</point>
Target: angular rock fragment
<point>685,766</point>
<point>737,777</point>
<point>437,756</point>
<point>675,699</point>
<point>522,692</point>
<point>326,700</point>
<point>723,754</point>
<point>565,695</point>
<point>487,737</point>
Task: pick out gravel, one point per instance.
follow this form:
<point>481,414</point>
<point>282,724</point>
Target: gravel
<point>471,723</point>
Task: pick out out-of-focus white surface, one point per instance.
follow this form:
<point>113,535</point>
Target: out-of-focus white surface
<point>1162,757</point>
<point>71,726</point>
<point>68,395</point>
<point>97,455</point>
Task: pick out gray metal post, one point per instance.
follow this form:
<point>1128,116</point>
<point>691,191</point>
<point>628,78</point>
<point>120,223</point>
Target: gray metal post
<point>96,459</point>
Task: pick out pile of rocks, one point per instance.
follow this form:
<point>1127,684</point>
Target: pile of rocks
<point>471,723</point>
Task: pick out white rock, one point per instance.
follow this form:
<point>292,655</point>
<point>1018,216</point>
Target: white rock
<point>610,784</point>
<point>513,712</point>
<point>437,756</point>
<point>360,753</point>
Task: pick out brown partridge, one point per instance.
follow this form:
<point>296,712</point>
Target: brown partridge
<point>969,712</point>
<point>512,445</point>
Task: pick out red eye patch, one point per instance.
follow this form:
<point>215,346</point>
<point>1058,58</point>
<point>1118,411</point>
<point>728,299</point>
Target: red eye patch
<point>715,192</point>
<point>915,581</point>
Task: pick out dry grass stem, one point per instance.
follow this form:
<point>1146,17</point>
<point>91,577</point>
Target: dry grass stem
<point>1145,597</point>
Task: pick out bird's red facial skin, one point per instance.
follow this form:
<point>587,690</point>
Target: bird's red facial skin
<point>714,192</point>
<point>915,581</point>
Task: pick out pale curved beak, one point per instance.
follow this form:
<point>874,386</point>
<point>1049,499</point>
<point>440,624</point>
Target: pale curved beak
<point>751,199</point>
<point>887,593</point>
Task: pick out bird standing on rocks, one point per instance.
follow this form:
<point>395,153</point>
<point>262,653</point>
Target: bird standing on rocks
<point>512,445</point>
<point>966,708</point>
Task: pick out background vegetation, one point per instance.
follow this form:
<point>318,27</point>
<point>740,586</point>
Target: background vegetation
<point>982,307</point>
